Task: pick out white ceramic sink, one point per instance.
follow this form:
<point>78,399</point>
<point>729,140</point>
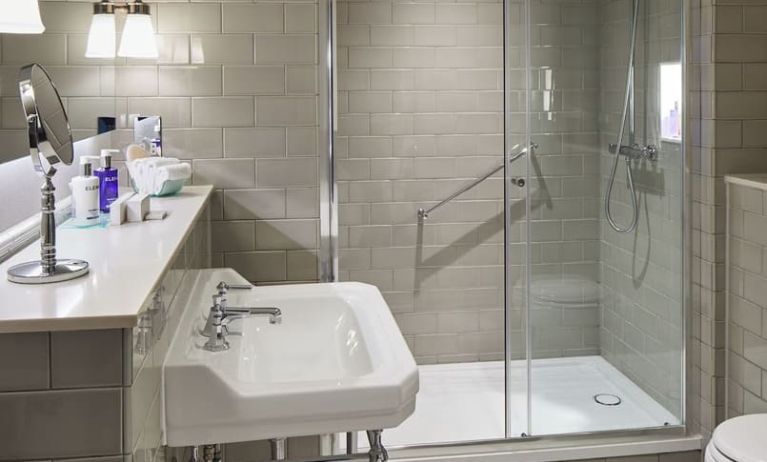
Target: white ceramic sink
<point>337,362</point>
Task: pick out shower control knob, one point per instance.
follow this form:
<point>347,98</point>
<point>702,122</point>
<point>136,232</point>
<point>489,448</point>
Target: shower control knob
<point>519,182</point>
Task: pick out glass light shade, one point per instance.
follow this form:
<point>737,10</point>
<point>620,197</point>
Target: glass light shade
<point>21,17</point>
<point>138,40</point>
<point>101,37</point>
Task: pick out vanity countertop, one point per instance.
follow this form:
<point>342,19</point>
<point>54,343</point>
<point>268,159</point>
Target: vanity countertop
<point>752,180</point>
<point>126,263</point>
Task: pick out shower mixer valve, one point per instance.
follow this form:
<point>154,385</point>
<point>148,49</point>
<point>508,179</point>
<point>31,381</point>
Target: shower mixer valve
<point>635,151</point>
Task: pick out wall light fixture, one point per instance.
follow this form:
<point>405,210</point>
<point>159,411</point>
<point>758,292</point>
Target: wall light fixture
<point>138,38</point>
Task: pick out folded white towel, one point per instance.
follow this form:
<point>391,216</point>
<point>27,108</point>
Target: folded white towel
<point>153,164</point>
<point>168,173</point>
<point>180,171</point>
<point>136,171</point>
<point>146,172</point>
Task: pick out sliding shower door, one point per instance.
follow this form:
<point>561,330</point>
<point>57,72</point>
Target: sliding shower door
<point>594,312</point>
<point>420,126</point>
<point>510,175</point>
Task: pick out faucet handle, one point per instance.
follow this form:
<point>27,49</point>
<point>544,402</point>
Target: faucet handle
<point>219,301</point>
<point>223,287</point>
<point>216,331</point>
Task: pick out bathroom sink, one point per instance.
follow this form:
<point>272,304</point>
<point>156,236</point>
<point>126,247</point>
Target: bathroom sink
<point>336,362</point>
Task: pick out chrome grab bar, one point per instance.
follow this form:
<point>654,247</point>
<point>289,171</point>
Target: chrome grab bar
<point>423,214</point>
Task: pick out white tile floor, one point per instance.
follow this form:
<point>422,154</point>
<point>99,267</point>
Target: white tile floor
<point>465,401</point>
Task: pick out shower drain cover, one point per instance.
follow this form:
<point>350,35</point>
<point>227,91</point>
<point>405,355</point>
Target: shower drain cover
<point>606,399</point>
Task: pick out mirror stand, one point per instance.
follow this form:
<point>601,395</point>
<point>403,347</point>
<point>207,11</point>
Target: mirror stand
<point>50,142</point>
<point>48,269</point>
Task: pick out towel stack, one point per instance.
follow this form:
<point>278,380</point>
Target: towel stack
<point>158,176</point>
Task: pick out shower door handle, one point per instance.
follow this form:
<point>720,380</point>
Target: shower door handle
<point>531,149</point>
<point>520,181</point>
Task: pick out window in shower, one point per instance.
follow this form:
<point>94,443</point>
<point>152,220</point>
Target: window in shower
<point>671,98</point>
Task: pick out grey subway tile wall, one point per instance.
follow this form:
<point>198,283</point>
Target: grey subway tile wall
<point>564,199</point>
<point>28,368</point>
<point>262,96</point>
<point>746,301</point>
<point>414,126</point>
<point>420,117</point>
<point>73,355</point>
<point>726,88</point>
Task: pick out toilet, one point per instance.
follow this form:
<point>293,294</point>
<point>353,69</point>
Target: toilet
<point>740,439</point>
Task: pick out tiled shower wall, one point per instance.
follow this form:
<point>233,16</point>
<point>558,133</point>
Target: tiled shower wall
<point>642,322</point>
<point>564,208</point>
<point>420,115</point>
<point>420,107</point>
<point>236,85</point>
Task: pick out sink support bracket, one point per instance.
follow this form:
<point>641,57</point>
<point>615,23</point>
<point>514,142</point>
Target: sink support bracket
<point>206,453</point>
<point>328,444</point>
<point>351,442</point>
<point>279,448</point>
<point>377,451</point>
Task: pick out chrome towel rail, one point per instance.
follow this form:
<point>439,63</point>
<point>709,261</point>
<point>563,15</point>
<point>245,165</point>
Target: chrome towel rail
<point>423,214</point>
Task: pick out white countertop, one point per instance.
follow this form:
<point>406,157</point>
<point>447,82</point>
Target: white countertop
<point>752,180</point>
<point>126,263</point>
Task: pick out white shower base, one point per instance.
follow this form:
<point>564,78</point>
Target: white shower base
<point>465,401</point>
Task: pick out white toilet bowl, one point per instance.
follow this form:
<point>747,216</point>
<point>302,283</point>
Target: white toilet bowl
<point>740,439</point>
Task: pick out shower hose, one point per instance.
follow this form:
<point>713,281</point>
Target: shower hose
<point>629,176</point>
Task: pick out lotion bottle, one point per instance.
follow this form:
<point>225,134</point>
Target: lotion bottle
<point>108,182</point>
<point>85,194</point>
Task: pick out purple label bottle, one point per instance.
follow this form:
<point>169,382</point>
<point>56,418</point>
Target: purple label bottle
<point>108,180</point>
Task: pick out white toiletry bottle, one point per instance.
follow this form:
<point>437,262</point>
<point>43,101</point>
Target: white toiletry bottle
<point>85,193</point>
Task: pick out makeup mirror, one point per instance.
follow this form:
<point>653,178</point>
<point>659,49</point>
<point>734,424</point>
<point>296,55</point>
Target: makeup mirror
<point>50,138</point>
<point>50,143</point>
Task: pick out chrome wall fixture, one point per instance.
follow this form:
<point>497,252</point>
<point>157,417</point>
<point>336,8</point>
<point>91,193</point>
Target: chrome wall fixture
<point>632,151</point>
<point>138,38</point>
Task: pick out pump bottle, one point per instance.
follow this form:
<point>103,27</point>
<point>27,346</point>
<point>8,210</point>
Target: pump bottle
<point>85,194</point>
<point>108,181</point>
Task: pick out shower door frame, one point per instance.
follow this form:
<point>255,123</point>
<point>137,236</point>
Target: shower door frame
<point>664,439</point>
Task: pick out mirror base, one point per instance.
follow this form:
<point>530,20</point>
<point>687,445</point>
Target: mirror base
<point>32,272</point>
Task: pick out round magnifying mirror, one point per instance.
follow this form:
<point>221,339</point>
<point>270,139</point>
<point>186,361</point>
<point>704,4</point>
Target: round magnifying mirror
<point>50,142</point>
<point>50,137</point>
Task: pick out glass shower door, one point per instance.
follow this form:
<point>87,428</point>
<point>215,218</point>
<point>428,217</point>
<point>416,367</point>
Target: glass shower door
<point>517,147</point>
<point>594,314</point>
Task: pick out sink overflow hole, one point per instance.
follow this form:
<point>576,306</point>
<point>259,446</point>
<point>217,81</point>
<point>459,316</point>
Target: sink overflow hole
<point>606,399</point>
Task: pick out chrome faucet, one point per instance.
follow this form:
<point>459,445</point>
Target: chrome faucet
<point>216,327</point>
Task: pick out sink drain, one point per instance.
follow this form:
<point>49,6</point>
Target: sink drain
<point>606,399</point>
